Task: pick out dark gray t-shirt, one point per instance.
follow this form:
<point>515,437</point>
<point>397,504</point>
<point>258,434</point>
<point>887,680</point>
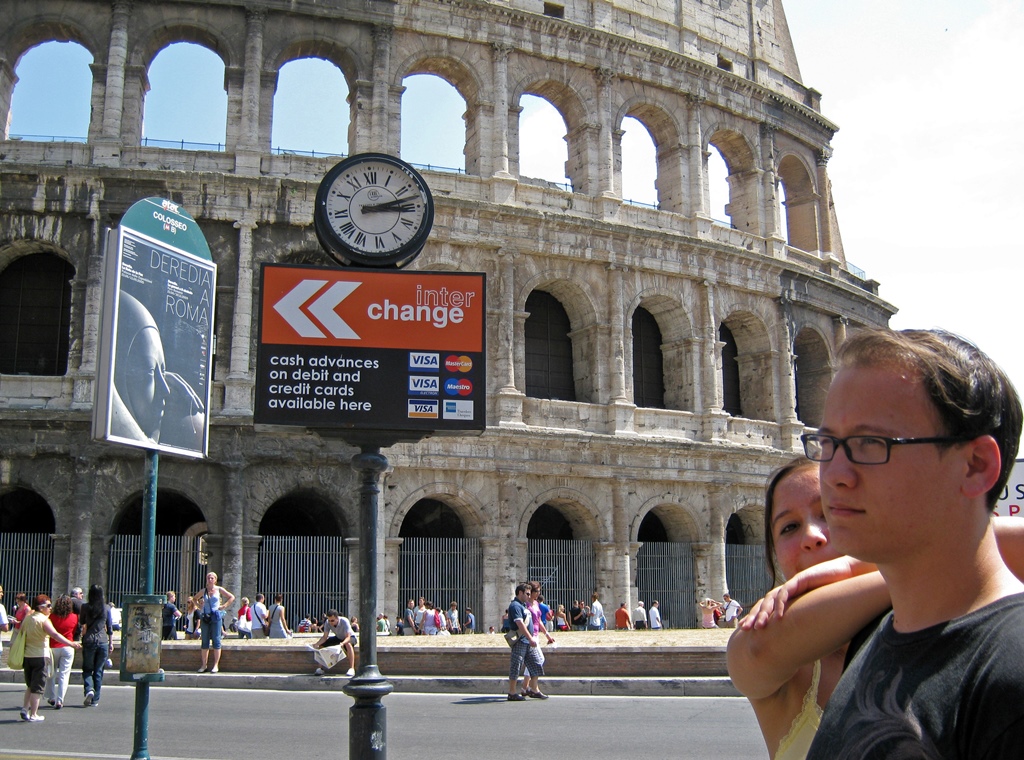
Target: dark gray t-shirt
<point>955,690</point>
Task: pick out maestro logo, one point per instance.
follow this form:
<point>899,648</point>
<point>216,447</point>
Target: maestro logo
<point>455,363</point>
<point>458,386</point>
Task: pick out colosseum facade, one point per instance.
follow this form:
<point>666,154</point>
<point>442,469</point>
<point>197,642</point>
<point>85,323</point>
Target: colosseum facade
<point>647,366</point>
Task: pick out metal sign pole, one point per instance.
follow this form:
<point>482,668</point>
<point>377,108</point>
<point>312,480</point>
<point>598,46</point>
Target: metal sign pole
<point>147,581</point>
<point>367,724</point>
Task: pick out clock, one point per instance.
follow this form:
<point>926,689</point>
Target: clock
<point>373,210</point>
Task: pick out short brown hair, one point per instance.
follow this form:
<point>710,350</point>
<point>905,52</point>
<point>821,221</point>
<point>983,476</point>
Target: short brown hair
<point>971,394</point>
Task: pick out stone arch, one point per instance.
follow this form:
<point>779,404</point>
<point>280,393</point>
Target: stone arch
<point>676,334</point>
<point>679,519</point>
<point>464,503</point>
<point>176,514</point>
<point>577,302</point>
<point>16,249</point>
<point>745,525</point>
<point>812,364</point>
<point>738,153</point>
<point>182,27</point>
<point>801,206</point>
<point>332,51</point>
<point>756,367</point>
<point>465,79</point>
<point>457,72</point>
<point>580,512</point>
<point>570,99</point>
<point>583,333</point>
<point>20,38</point>
<point>304,511</point>
<point>24,509</point>
<point>666,133</point>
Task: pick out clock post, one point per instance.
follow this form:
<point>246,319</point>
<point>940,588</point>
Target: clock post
<point>373,210</point>
<point>372,356</point>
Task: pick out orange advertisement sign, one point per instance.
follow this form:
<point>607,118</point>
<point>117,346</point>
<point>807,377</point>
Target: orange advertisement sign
<point>313,306</point>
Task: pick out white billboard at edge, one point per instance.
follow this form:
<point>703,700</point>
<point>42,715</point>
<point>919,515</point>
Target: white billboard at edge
<point>1011,501</point>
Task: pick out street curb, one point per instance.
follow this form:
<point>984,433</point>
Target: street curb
<point>454,685</point>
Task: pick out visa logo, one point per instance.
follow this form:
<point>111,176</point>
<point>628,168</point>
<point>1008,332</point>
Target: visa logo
<point>423,385</point>
<point>425,362</point>
<point>423,409</point>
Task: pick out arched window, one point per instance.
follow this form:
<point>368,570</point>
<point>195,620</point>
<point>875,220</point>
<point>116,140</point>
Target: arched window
<point>51,99</point>
<point>433,130</point>
<point>543,151</point>
<point>648,372</point>
<point>548,522</point>
<point>430,518</point>
<point>718,186</point>
<point>549,370</point>
<point>640,162</point>
<point>813,376</point>
<point>193,117</point>
<point>35,315</point>
<point>730,373</point>
<point>310,120</point>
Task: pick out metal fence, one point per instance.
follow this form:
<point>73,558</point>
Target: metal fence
<point>179,567</point>
<point>665,571</point>
<point>311,572</point>
<point>442,570</point>
<point>564,568</point>
<point>746,573</point>
<point>26,564</point>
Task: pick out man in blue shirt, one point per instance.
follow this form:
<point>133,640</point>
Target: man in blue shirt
<point>525,648</point>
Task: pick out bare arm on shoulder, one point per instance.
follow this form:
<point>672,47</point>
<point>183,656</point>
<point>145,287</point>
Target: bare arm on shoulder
<point>762,660</point>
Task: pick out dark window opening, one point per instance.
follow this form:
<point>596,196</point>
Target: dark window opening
<point>724,63</point>
<point>547,522</point>
<point>35,315</point>
<point>648,370</point>
<point>652,530</point>
<point>554,10</point>
<point>730,373</point>
<point>549,369</point>
<point>430,518</point>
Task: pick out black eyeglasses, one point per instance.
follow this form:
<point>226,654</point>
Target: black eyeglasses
<point>863,449</point>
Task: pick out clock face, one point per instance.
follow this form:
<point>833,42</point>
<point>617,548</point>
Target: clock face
<point>373,209</point>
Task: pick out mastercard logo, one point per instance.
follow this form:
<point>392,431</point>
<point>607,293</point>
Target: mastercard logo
<point>455,363</point>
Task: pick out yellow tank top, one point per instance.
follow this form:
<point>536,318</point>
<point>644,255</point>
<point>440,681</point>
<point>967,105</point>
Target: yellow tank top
<point>797,741</point>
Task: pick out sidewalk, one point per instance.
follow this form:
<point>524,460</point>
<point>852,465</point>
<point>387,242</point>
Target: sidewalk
<point>681,652</point>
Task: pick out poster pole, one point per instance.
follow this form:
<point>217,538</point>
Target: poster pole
<point>147,581</point>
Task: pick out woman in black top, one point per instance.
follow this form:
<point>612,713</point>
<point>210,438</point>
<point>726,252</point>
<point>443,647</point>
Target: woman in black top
<point>97,641</point>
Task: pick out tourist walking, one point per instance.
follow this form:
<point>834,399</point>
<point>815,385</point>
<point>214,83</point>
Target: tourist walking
<point>38,630</point>
<point>65,621</point>
<point>97,641</point>
<point>524,649</point>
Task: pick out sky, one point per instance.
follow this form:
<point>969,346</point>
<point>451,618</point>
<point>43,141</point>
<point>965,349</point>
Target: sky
<point>926,93</point>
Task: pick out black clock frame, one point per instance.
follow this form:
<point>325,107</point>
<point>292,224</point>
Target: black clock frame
<point>338,247</point>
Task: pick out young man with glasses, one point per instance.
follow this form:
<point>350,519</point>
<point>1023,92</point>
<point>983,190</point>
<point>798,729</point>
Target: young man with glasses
<point>919,433</point>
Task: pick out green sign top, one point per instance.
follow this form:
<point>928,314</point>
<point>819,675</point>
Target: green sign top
<point>169,223</point>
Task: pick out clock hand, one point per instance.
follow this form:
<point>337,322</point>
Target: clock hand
<point>398,204</point>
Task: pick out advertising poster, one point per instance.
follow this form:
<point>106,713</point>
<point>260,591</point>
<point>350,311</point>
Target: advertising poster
<point>153,387</point>
<point>371,350</point>
<point>1011,501</point>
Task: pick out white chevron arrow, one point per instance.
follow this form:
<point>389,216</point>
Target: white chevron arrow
<point>323,309</point>
<point>290,309</point>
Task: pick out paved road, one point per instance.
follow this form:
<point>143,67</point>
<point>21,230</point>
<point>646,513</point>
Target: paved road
<point>236,724</point>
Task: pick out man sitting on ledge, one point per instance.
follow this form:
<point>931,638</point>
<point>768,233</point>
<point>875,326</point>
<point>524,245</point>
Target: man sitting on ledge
<point>337,638</point>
